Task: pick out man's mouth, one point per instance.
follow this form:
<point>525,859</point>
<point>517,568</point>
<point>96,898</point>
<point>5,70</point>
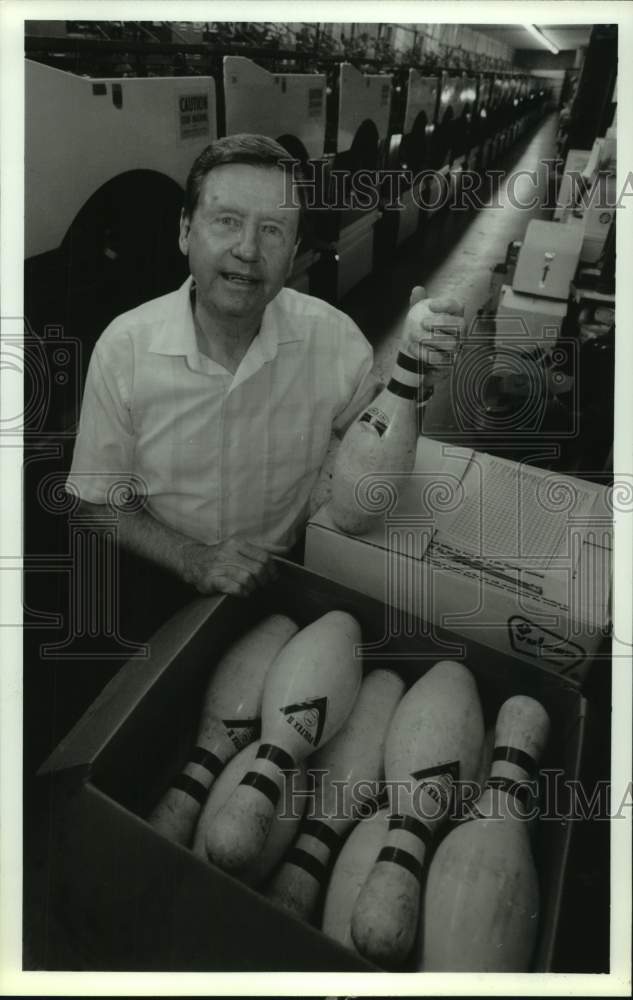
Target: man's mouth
<point>240,279</point>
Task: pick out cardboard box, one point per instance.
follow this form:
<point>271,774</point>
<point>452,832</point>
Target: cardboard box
<point>511,556</point>
<point>132,900</point>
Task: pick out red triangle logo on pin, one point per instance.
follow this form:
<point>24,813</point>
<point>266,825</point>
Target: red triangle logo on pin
<point>308,718</point>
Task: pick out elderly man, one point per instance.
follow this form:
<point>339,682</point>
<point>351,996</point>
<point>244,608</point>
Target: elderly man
<point>215,404</point>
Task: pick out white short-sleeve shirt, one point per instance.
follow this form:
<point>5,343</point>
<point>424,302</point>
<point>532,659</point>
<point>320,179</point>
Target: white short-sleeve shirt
<point>215,453</point>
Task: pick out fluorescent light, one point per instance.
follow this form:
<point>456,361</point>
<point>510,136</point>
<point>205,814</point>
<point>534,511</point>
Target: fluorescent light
<point>538,34</point>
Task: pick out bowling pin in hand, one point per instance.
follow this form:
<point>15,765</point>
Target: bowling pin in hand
<point>309,692</point>
<point>482,899</point>
<point>434,739</point>
<point>346,769</point>
<point>230,720</point>
<point>384,437</point>
<point>433,332</point>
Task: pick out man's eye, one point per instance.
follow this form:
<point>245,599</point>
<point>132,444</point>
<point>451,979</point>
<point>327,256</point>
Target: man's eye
<point>271,229</point>
<point>228,220</point>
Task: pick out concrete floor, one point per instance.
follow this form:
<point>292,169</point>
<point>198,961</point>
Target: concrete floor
<point>456,251</point>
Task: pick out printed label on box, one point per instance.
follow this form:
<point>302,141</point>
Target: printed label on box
<point>534,640</point>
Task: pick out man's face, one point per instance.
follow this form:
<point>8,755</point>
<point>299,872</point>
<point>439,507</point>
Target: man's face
<point>241,240</point>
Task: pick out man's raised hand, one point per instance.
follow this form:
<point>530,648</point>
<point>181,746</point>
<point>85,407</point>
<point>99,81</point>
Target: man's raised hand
<point>434,327</point>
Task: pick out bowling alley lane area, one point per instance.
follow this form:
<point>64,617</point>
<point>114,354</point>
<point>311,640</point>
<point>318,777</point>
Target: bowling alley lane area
<point>387,746</point>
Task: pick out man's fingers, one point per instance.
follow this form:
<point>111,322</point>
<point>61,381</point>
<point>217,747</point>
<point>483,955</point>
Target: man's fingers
<point>242,570</point>
<point>417,294</point>
<point>442,323</point>
<point>228,585</point>
<point>259,556</point>
<point>447,304</point>
<point>249,549</point>
<point>437,340</point>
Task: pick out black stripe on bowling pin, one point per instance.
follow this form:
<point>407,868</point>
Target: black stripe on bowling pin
<point>409,364</point>
<point>518,757</point>
<point>194,789</point>
<point>419,368</point>
<point>204,758</point>
<point>405,378</point>
<point>402,390</point>
<point>321,831</point>
<point>397,856</point>
<point>276,755</point>
<point>263,784</point>
<point>400,856</point>
<point>302,859</point>
<point>306,859</point>
<point>186,783</point>
<point>521,760</point>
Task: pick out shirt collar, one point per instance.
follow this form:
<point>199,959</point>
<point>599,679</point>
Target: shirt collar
<point>176,334</point>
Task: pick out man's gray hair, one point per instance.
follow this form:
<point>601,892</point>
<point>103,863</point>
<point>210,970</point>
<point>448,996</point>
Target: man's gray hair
<point>255,150</point>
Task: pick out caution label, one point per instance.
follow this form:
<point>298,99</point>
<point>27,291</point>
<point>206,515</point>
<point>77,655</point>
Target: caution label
<point>315,102</point>
<point>193,113</point>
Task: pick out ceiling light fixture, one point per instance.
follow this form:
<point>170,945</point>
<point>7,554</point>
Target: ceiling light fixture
<point>538,34</point>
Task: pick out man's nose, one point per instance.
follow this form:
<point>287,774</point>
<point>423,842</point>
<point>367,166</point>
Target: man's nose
<point>247,244</point>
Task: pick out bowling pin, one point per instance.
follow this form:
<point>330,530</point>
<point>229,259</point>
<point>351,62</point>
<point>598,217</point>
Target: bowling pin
<point>384,438</point>
<point>309,692</point>
<point>283,827</point>
<point>353,758</point>
<point>472,793</point>
<point>482,899</point>
<point>229,721</point>
<point>357,858</point>
<point>434,739</point>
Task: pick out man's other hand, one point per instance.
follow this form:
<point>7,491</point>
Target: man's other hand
<point>235,567</point>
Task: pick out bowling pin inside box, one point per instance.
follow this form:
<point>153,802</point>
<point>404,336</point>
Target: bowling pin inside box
<point>130,898</point>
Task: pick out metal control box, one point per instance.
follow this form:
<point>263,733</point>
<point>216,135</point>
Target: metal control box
<point>547,260</point>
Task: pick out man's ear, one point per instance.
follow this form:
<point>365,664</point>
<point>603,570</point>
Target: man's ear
<point>183,238</point>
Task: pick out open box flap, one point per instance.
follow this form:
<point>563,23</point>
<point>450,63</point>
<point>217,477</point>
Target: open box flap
<point>121,696</point>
